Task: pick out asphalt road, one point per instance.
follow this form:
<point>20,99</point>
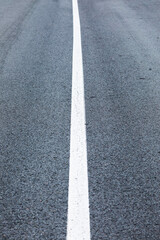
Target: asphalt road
<point>121,59</point>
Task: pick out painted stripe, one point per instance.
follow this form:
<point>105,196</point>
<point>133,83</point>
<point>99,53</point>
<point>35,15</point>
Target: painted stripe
<point>78,227</point>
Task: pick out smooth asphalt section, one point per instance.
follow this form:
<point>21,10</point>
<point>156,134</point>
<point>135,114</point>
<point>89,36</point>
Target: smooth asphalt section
<point>35,107</point>
<point>121,59</point>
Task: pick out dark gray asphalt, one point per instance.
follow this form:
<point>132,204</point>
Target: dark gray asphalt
<point>121,53</point>
<point>35,92</point>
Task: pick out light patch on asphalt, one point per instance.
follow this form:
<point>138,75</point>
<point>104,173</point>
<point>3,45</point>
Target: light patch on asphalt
<point>78,226</point>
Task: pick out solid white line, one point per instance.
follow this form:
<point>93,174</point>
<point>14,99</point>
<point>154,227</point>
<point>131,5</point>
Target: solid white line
<point>78,227</point>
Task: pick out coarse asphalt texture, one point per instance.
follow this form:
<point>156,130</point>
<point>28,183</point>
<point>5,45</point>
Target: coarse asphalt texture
<point>35,94</point>
<point>121,53</point>
<point>121,59</point>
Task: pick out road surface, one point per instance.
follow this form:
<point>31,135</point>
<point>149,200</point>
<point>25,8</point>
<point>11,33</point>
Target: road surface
<point>120,43</point>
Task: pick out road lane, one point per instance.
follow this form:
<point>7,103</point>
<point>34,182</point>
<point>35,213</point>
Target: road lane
<point>121,54</point>
<point>35,103</point>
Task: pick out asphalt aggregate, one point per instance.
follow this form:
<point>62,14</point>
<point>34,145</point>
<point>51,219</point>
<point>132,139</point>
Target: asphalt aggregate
<point>35,93</point>
<point>121,53</point>
<point>121,59</point>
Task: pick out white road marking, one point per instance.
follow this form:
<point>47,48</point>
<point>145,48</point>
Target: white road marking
<point>78,227</point>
